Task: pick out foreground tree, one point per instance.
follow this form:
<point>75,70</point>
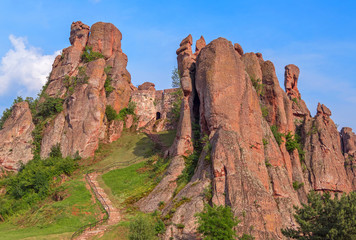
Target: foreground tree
<point>325,218</point>
<point>217,223</point>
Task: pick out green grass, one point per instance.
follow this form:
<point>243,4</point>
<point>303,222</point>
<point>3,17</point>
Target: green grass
<point>54,220</point>
<point>59,220</point>
<point>167,137</point>
<point>130,182</point>
<point>128,147</point>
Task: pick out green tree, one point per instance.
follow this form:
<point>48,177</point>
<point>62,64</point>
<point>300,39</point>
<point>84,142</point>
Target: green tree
<point>217,223</point>
<point>142,228</point>
<point>324,218</point>
<point>175,78</point>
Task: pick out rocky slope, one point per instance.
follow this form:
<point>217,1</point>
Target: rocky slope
<point>256,147</point>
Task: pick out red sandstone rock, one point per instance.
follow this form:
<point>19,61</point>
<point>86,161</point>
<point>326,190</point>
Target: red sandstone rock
<point>238,49</point>
<point>348,141</point>
<point>105,38</point>
<point>16,138</point>
<point>147,86</point>
<point>79,33</point>
<point>323,154</point>
<point>291,76</point>
<point>199,45</point>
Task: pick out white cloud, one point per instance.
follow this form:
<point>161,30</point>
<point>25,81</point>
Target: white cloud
<point>24,67</point>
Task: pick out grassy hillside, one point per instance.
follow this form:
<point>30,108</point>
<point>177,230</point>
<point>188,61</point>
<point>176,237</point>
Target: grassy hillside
<point>130,179</point>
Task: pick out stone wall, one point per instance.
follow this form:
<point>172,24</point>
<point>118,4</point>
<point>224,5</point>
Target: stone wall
<point>154,108</point>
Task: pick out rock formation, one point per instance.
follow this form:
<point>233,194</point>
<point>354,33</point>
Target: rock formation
<point>16,139</point>
<point>82,124</point>
<point>257,148</point>
<point>236,99</point>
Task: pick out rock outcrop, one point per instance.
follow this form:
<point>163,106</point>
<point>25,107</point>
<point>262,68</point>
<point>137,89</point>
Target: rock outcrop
<point>236,99</point>
<point>82,124</point>
<point>16,138</point>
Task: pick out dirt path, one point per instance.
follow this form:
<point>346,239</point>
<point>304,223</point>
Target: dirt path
<point>114,213</point>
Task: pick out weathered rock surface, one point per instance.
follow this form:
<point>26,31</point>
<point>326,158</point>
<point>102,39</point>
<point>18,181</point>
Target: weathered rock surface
<point>291,76</point>
<point>154,108</point>
<point>16,137</point>
<point>348,141</point>
<point>82,124</point>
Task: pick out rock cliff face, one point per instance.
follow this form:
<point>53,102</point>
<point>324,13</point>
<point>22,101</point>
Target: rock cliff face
<point>81,83</point>
<point>16,139</point>
<point>238,102</point>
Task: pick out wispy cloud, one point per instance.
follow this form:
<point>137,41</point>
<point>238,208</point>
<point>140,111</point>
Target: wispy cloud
<point>24,67</point>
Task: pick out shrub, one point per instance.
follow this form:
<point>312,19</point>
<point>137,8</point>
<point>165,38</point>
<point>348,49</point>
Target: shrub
<point>277,135</point>
<point>107,85</point>
<point>49,107</point>
<point>176,106</point>
<point>217,223</point>
<point>142,228</point>
<point>34,182</point>
<point>291,142</point>
<point>56,151</point>
<point>188,172</point>
<point>160,227</point>
<point>264,111</point>
<point>297,185</point>
<point>89,55</point>
<point>110,113</point>
<point>257,84</point>
<point>325,218</point>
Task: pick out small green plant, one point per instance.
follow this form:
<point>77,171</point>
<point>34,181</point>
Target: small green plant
<point>208,193</point>
<point>160,227</point>
<point>277,135</point>
<point>257,84</point>
<point>297,185</point>
<point>180,226</point>
<point>108,81</point>
<point>176,106</point>
<point>267,163</point>
<point>291,142</point>
<point>188,172</point>
<point>264,111</point>
<point>265,142</point>
<point>89,55</point>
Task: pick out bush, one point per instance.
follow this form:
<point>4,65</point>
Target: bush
<point>325,218</point>
<point>291,142</point>
<point>277,135</point>
<point>142,228</point>
<point>107,85</point>
<point>297,185</point>
<point>49,107</point>
<point>110,113</point>
<point>217,223</point>
<point>89,55</point>
<point>34,182</point>
<point>257,84</point>
<point>188,172</point>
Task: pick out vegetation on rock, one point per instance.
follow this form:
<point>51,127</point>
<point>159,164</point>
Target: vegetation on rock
<point>324,217</point>
<point>89,55</point>
<point>218,223</point>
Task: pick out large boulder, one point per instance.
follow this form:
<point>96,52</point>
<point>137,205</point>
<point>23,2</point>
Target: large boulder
<point>16,138</point>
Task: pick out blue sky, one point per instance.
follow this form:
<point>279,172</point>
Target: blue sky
<point>318,36</point>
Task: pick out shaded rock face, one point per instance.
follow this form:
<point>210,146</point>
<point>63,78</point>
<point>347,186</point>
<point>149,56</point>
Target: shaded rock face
<point>323,157</point>
<point>247,169</point>
<point>82,124</point>
<point>16,138</point>
<point>348,141</point>
<point>154,108</point>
